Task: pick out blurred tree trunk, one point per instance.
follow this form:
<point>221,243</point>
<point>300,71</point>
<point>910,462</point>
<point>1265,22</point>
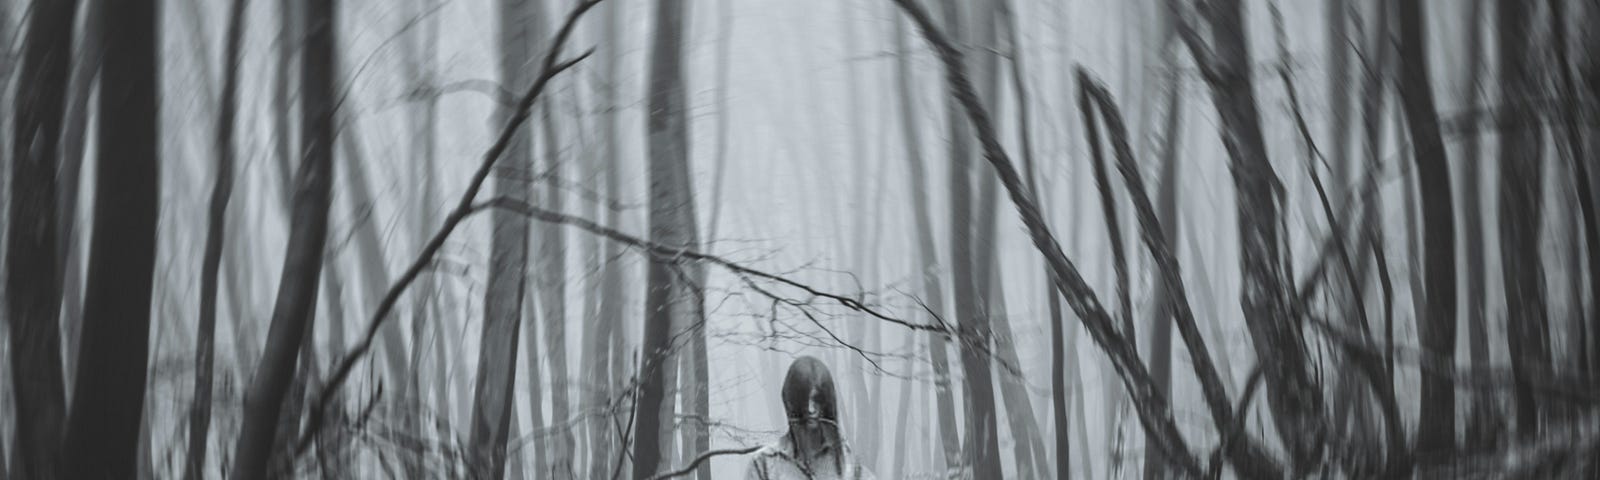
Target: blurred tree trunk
<point>1436,429</point>
<point>1483,407</point>
<point>411,408</point>
<point>33,285</point>
<point>1521,214</point>
<point>493,397</point>
<point>1155,466</point>
<point>670,302</point>
<point>85,71</point>
<point>211,258</point>
<point>535,383</point>
<point>600,352</point>
<point>927,251</point>
<point>1292,397</point>
<point>1581,160</point>
<point>296,305</point>
<point>103,426</point>
<point>982,453</point>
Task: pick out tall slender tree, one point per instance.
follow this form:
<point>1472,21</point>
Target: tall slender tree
<point>508,257</point>
<point>668,297</point>
<point>211,258</point>
<point>33,286</point>
<point>1436,429</point>
<point>296,305</point>
<point>104,420</point>
<point>1521,213</point>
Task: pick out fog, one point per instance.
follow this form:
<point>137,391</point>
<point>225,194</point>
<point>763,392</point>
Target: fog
<point>511,238</point>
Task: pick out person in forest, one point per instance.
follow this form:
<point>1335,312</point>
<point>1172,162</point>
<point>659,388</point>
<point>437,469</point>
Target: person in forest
<point>814,447</point>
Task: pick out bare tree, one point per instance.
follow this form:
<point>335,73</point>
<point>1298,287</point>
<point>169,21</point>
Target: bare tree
<point>1436,432</point>
<point>108,397</point>
<point>211,258</point>
<point>296,305</point>
<point>33,286</point>
<point>927,252</point>
<point>1225,64</point>
<point>508,258</point>
<point>1521,211</point>
<point>668,295</point>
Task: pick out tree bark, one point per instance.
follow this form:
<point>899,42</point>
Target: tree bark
<point>493,397</point>
<point>211,258</point>
<point>296,305</point>
<point>33,285</point>
<point>1521,213</point>
<point>672,223</point>
<point>1436,429</point>
<point>103,427</point>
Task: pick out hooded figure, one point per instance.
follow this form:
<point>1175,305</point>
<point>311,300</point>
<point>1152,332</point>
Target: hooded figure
<point>813,448</point>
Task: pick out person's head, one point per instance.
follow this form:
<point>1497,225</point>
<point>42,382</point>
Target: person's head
<point>809,403</point>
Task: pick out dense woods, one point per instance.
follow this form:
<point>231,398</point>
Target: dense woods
<point>996,239</point>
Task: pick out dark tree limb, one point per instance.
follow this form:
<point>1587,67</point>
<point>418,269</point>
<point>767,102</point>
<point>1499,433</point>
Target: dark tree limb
<point>1246,455</point>
<point>1154,411</point>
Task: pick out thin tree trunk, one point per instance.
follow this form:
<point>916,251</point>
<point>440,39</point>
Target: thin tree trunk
<point>1292,397</point>
<point>671,223</point>
<point>1154,412</point>
<point>927,250</point>
<point>1483,407</point>
<point>296,306</point>
<point>1436,429</point>
<point>493,397</point>
<point>601,349</point>
<point>85,71</point>
<point>211,259</point>
<point>33,285</point>
<point>982,445</point>
<point>1160,355</point>
<point>1581,161</point>
<point>1521,213</point>
<point>103,427</point>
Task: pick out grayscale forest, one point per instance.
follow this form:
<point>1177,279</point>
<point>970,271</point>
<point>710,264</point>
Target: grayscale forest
<point>653,239</point>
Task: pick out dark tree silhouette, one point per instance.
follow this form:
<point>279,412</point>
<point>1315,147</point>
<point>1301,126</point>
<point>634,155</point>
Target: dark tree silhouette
<point>33,285</point>
<point>108,395</point>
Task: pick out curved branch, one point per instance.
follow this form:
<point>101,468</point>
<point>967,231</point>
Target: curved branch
<point>702,459</point>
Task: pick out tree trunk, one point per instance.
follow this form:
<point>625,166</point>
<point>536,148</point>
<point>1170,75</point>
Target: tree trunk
<point>599,348</point>
<point>493,397</point>
<point>668,296</point>
<point>927,251</point>
<point>33,285</point>
<point>552,279</point>
<point>296,305</point>
<point>1483,407</point>
<point>69,178</point>
<point>1293,399</point>
<point>103,426</point>
<point>1155,466</point>
<point>982,445</point>
<point>1521,213</point>
<point>1436,429</point>
<point>211,260</point>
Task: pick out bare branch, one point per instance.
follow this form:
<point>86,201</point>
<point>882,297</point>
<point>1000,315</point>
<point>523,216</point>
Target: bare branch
<point>702,459</point>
